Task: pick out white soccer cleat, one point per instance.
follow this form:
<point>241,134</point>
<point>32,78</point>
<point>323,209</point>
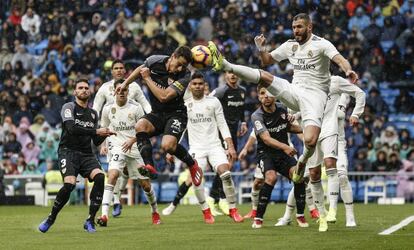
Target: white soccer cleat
<point>283,222</point>
<point>257,223</point>
<point>169,210</point>
<point>350,222</point>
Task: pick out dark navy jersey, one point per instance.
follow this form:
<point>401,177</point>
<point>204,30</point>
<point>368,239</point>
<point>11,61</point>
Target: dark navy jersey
<point>163,79</point>
<point>275,123</point>
<point>232,100</point>
<point>79,128</point>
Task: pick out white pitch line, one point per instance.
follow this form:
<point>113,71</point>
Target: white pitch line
<point>394,228</point>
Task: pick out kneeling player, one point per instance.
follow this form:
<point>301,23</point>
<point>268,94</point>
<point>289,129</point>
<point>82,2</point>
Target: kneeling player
<point>121,116</point>
<point>205,119</point>
<point>274,154</point>
<point>75,154</point>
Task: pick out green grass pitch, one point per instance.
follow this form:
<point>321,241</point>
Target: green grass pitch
<point>185,230</point>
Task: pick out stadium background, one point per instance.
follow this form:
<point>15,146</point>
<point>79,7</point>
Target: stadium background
<point>45,45</point>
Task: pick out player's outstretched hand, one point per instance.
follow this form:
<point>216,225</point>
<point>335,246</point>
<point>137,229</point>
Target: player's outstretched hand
<point>127,145</point>
<point>290,151</point>
<point>243,154</point>
<point>260,42</point>
<point>353,76</point>
<point>145,73</point>
<point>353,121</point>
<point>104,132</point>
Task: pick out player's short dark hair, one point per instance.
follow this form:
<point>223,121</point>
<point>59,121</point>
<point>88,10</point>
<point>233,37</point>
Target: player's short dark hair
<point>185,52</point>
<point>119,81</point>
<point>115,62</point>
<point>302,16</point>
<point>81,79</point>
<point>197,74</point>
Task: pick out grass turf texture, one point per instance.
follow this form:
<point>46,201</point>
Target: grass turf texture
<point>185,229</point>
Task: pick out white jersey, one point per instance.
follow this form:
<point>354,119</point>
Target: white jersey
<point>205,119</point>
<point>343,103</point>
<point>122,120</point>
<point>105,95</point>
<point>310,60</point>
<point>340,86</point>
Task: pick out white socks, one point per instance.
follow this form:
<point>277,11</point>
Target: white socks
<point>152,200</point>
<point>333,187</point>
<point>107,197</point>
<point>255,198</point>
<point>228,188</point>
<point>318,197</point>
<point>201,197</point>
<point>119,187</point>
<point>290,205</point>
<point>309,198</point>
<point>347,196</point>
<point>246,73</point>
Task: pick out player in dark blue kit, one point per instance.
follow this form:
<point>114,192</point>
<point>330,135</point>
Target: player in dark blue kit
<point>274,154</point>
<point>80,127</point>
<point>167,78</point>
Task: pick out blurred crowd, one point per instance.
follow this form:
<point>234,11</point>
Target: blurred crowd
<point>45,45</point>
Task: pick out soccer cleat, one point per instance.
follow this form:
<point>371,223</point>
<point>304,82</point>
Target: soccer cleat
<point>196,174</point>
<point>45,225</point>
<point>331,217</point>
<point>323,224</point>
<point>314,213</point>
<point>102,221</point>
<point>169,210</point>
<point>302,221</point>
<point>148,171</point>
<point>156,220</point>
<point>257,223</point>
<point>117,210</point>
<point>298,172</point>
<point>208,217</point>
<point>224,206</point>
<point>89,226</point>
<point>251,214</point>
<point>234,214</point>
<point>217,57</point>
<point>350,222</point>
<point>283,222</point>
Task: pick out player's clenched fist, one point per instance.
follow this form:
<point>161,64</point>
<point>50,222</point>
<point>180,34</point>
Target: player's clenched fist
<point>260,42</point>
<point>145,73</point>
<point>120,88</point>
<point>104,132</point>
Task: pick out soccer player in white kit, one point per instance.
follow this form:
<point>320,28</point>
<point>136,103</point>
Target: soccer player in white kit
<point>205,120</point>
<point>105,95</point>
<point>310,56</point>
<point>121,116</point>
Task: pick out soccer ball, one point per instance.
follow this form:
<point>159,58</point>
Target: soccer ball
<point>201,56</point>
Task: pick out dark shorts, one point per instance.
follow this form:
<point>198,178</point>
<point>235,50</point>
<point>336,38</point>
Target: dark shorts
<point>73,162</point>
<point>173,123</point>
<point>278,163</point>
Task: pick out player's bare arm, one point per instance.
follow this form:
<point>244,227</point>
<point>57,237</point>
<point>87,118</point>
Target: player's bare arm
<point>163,95</point>
<point>346,67</point>
<point>271,142</point>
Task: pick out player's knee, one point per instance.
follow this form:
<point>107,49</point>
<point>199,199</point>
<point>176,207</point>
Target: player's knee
<point>315,174</point>
<point>146,185</point>
<point>270,178</point>
<point>68,187</point>
<point>168,146</point>
<point>258,183</point>
<point>330,163</point>
<point>311,140</point>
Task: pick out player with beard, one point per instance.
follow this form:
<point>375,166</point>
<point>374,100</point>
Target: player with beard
<point>167,78</point>
<point>80,128</point>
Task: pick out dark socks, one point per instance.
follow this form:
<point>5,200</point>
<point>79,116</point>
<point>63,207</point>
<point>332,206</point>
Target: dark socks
<point>264,197</point>
<point>96,195</point>
<point>145,147</point>
<point>182,190</point>
<point>183,155</point>
<point>300,196</point>
<point>62,198</point>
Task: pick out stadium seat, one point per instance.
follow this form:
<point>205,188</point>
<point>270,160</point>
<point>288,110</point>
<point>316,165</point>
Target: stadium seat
<point>35,189</point>
<point>51,196</point>
<point>245,189</point>
<point>391,188</point>
<point>375,187</point>
<point>168,191</point>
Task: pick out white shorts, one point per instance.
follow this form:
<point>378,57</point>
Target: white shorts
<point>119,161</point>
<point>342,163</point>
<point>327,148</point>
<point>309,101</point>
<point>215,156</point>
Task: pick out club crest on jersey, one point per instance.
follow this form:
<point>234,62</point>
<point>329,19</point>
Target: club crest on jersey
<point>294,48</point>
<point>130,117</point>
<point>93,116</point>
<point>258,125</point>
<point>190,105</point>
<point>242,95</point>
<point>310,53</point>
<point>68,113</point>
<point>113,110</point>
<point>283,116</point>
